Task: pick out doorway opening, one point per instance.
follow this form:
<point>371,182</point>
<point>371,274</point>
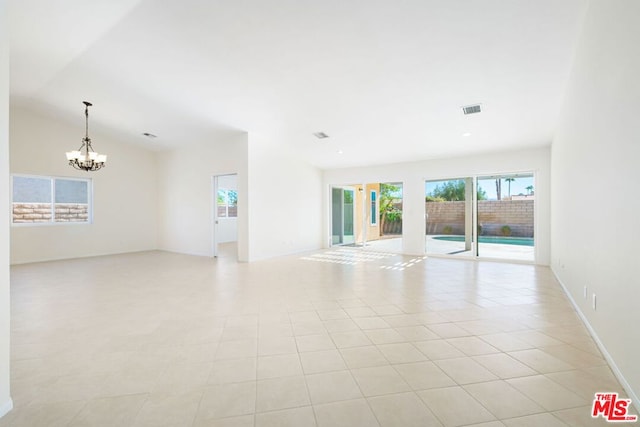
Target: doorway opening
<point>225,216</point>
<point>367,215</point>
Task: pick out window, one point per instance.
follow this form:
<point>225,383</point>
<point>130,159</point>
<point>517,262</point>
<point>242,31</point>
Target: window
<point>227,203</point>
<point>374,208</point>
<point>46,200</point>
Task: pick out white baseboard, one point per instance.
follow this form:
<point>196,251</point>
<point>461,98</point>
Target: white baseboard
<point>6,407</point>
<point>612,364</point>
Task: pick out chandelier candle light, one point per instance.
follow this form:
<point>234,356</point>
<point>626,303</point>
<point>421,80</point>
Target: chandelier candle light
<point>87,160</point>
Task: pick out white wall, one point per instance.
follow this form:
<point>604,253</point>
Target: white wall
<point>413,175</point>
<point>5,396</point>
<point>124,192</point>
<point>186,202</point>
<point>227,226</point>
<point>595,164</point>
<point>285,197</point>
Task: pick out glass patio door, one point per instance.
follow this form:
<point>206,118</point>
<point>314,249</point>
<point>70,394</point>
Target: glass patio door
<point>505,216</point>
<point>449,217</point>
<point>342,216</point>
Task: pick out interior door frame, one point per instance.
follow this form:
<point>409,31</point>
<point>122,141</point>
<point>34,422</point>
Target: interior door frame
<point>215,221</point>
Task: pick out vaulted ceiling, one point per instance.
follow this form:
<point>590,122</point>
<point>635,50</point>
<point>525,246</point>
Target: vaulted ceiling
<point>386,80</point>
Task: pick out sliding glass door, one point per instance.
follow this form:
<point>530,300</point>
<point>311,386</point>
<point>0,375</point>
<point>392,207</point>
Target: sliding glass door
<point>342,216</point>
<point>489,216</point>
<point>449,219</point>
<point>506,217</point>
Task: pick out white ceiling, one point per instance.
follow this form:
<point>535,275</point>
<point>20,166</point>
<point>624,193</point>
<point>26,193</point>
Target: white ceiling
<point>385,79</point>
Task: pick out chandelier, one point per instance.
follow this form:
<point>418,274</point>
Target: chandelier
<point>85,158</point>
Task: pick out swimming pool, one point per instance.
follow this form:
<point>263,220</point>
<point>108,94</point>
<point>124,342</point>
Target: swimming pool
<point>520,241</point>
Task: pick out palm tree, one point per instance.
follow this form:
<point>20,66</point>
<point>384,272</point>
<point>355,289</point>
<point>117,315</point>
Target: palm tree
<point>529,189</point>
<point>509,180</point>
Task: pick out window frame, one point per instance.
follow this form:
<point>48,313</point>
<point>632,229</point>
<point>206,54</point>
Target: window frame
<point>52,181</point>
<point>374,208</point>
<point>226,205</point>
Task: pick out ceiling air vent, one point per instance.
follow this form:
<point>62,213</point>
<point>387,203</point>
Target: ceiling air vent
<point>320,135</point>
<point>471,109</point>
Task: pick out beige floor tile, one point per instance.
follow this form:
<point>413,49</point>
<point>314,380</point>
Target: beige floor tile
<point>546,420</point>
<point>472,346</point>
<point>536,339</point>
<point>350,413</point>
<point>230,325</point>
<point>424,375</point>
<point>332,387</point>
<point>438,349</point>
<point>363,357</point>
<point>502,399</point>
<point>360,312</point>
<point>548,394</point>
<point>416,333</point>
<point>332,314</point>
<point>447,404</point>
<point>384,336</point>
<point>227,400</point>
<point>371,323</point>
<point>183,377</point>
<point>276,345</point>
<point>322,361</point>
<point>281,393</point>
<point>43,415</point>
<point>240,421</point>
<point>487,424</point>
<point>401,353</point>
<point>283,365</point>
<point>540,361</point>
<point>506,341</point>
<point>243,332</point>
<point>386,310</point>
<point>465,370</point>
<point>350,339</point>
<point>379,380</point>
<point>401,320</point>
<point>581,416</point>
<point>233,371</point>
<point>237,349</point>
<point>308,328</point>
<point>317,342</point>
<point>169,409</point>
<point>110,411</point>
<point>504,366</point>
<point>575,357</point>
<point>448,330</point>
<point>296,417</point>
<point>585,384</point>
<point>340,325</point>
<point>402,410</point>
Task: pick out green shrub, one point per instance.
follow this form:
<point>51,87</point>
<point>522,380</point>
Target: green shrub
<point>447,229</point>
<point>505,230</point>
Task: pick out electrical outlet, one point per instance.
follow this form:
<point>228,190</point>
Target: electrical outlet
<point>593,302</point>
<point>585,292</point>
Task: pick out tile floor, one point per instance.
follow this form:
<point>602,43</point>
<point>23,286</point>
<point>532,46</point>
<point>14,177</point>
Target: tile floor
<point>333,338</point>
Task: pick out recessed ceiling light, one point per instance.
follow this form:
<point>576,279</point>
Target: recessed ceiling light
<point>150,135</point>
<point>466,134</point>
<point>320,135</point>
<point>340,151</point>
